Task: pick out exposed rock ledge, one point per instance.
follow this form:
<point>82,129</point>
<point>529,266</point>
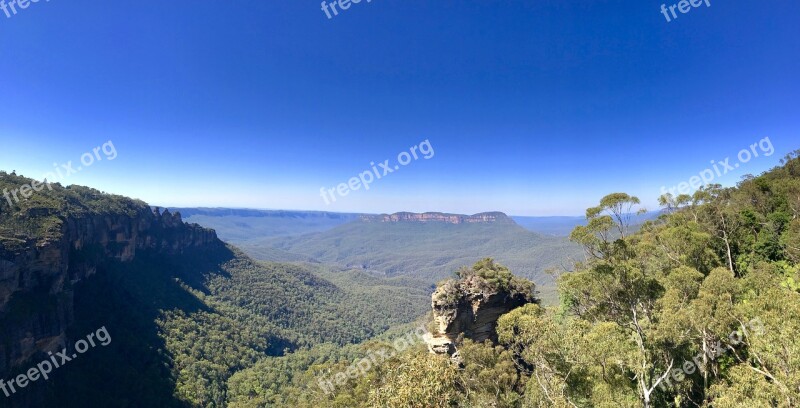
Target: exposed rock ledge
<point>471,305</point>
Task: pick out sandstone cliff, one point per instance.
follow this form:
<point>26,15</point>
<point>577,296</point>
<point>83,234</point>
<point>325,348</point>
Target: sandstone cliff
<point>471,305</point>
<point>45,250</point>
<point>438,217</point>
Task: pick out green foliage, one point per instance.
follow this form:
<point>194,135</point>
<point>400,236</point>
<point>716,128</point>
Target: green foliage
<point>448,292</point>
<point>490,374</point>
<point>699,308</point>
<point>498,277</point>
<point>416,381</point>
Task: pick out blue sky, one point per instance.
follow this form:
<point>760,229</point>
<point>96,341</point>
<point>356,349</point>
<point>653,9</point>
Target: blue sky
<point>533,108</point>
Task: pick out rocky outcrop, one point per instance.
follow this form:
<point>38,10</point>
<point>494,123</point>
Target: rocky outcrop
<point>37,273</point>
<point>438,217</point>
<point>470,307</point>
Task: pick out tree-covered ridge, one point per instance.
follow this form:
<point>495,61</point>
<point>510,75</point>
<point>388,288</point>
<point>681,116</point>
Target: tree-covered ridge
<point>40,216</point>
<point>430,252</point>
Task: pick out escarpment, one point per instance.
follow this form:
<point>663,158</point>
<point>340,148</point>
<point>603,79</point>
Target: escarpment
<point>439,217</point>
<point>49,243</point>
<point>470,306</point>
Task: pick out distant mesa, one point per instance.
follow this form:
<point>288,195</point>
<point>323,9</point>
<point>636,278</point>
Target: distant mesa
<point>243,212</point>
<point>488,217</point>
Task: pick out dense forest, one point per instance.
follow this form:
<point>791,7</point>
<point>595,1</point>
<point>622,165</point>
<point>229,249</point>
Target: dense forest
<point>182,326</point>
<point>207,327</point>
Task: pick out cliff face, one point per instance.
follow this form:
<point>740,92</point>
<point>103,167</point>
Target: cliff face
<point>470,307</point>
<point>37,274</point>
<point>438,217</point>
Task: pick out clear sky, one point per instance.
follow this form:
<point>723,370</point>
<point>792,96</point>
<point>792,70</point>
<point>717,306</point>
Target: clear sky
<point>531,107</point>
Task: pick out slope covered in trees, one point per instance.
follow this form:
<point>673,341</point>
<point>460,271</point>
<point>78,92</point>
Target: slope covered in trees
<point>181,322</point>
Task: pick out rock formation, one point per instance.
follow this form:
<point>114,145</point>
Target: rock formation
<point>471,305</point>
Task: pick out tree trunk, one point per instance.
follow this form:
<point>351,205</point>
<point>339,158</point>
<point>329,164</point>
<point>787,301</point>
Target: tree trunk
<point>727,244</point>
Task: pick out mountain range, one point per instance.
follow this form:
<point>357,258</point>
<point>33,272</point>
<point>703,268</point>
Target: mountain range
<point>425,247</point>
